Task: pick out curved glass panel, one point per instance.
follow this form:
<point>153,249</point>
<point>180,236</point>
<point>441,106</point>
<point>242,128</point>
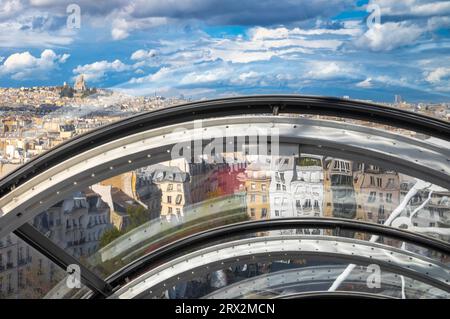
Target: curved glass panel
<point>111,206</point>
<point>284,278</point>
<point>267,149</point>
<point>24,272</point>
<point>263,265</point>
<point>107,228</point>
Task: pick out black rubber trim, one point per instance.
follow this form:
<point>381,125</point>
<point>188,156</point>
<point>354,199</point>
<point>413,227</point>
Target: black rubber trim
<point>226,107</point>
<point>197,240</point>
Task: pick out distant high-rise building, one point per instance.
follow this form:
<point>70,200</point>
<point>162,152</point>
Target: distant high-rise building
<point>398,99</point>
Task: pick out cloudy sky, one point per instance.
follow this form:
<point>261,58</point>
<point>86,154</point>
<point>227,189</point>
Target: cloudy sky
<point>212,48</point>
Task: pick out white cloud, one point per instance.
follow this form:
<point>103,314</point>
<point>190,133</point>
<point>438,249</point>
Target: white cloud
<point>64,58</point>
<point>98,70</point>
<point>261,44</point>
<point>438,75</point>
<point>13,35</point>
<point>214,75</point>
<point>248,77</point>
<point>23,65</point>
<point>121,27</point>
<point>143,54</point>
<point>10,8</point>
<point>325,70</point>
<point>260,33</point>
<point>389,36</point>
<point>161,74</point>
<point>367,83</point>
<point>119,34</point>
<point>419,8</point>
<point>265,43</point>
<point>438,22</point>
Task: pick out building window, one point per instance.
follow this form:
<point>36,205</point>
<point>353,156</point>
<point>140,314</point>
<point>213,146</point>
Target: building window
<point>252,198</point>
<point>253,186</point>
<point>264,199</point>
<point>169,187</point>
<point>170,210</point>
<point>372,181</point>
<point>40,267</point>
<point>381,211</point>
<point>284,187</point>
<point>10,289</point>
<point>263,187</point>
<point>389,197</point>
<point>252,212</point>
<point>277,176</point>
<point>278,187</point>
<point>178,211</point>
<point>372,197</point>
<point>178,187</point>
<point>9,258</point>
<point>20,278</point>
<point>178,199</point>
<point>277,213</point>
<point>316,204</point>
<point>307,204</point>
<point>169,199</point>
<point>432,224</point>
<point>263,212</point>
<point>379,182</point>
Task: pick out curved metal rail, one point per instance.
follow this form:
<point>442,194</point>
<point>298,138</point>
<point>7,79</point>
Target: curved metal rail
<point>263,249</point>
<point>418,159</point>
<point>192,242</point>
<point>334,295</point>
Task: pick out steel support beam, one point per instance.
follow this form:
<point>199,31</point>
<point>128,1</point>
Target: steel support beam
<point>61,258</point>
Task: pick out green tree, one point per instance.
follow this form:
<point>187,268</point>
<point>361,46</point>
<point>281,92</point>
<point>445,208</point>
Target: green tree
<point>138,216</point>
<point>109,235</point>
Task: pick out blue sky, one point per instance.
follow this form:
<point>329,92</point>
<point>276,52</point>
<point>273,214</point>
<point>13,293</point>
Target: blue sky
<point>212,48</point>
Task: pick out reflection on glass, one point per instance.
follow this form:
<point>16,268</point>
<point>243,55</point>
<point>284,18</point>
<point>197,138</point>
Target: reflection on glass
<point>25,273</point>
<point>112,223</point>
<point>286,277</point>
